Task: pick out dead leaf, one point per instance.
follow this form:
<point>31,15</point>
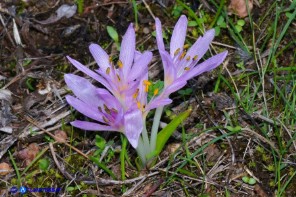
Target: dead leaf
<point>6,116</point>
<point>212,153</point>
<point>260,192</point>
<point>5,95</point>
<point>28,154</point>
<point>239,7</point>
<point>60,136</point>
<point>171,148</point>
<point>63,11</point>
<point>4,169</point>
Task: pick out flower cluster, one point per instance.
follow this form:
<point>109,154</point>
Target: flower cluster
<point>123,105</point>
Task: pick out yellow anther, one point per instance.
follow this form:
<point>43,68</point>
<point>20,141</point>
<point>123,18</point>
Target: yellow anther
<point>182,55</point>
<point>119,64</point>
<point>139,105</point>
<point>118,77</point>
<point>107,110</point>
<point>114,110</point>
<point>110,59</point>
<point>186,68</point>
<point>105,119</point>
<point>108,71</point>
<point>146,82</point>
<point>155,92</point>
<point>135,95</point>
<point>186,46</point>
<point>195,57</point>
<point>177,51</point>
<point>188,58</point>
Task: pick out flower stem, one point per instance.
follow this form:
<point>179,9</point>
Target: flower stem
<point>122,155</point>
<point>141,151</point>
<point>154,129</point>
<point>145,139</point>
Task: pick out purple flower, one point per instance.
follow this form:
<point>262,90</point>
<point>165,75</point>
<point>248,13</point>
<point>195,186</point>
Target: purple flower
<point>181,65</point>
<point>101,106</point>
<point>122,79</point>
<point>117,108</point>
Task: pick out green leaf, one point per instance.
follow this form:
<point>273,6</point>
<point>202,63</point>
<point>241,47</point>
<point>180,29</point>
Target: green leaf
<point>217,31</point>
<point>185,92</point>
<point>289,14</point>
<point>246,179</point>
<point>241,22</point>
<point>238,28</point>
<point>70,189</point>
<point>252,181</point>
<point>220,20</point>
<point>223,25</point>
<point>192,24</point>
<point>177,10</point>
<point>43,164</point>
<point>233,129</point>
<point>166,132</point>
<point>113,33</point>
<point>100,142</point>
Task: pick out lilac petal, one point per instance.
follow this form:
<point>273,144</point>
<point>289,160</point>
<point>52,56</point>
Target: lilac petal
<point>179,35</point>
<point>175,86</point>
<point>89,72</point>
<point>91,126</point>
<point>142,98</point>
<point>140,66</point>
<point>201,46</point>
<point>83,89</point>
<point>127,50</point>
<point>108,99</point>
<point>158,102</point>
<point>118,122</point>
<point>170,72</point>
<point>100,56</point>
<point>159,38</point>
<point>137,55</point>
<point>205,66</point>
<point>85,109</point>
<point>133,126</point>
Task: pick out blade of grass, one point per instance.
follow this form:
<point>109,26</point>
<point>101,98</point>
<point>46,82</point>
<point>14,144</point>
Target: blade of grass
<point>16,169</point>
<point>102,166</point>
<point>222,2</point>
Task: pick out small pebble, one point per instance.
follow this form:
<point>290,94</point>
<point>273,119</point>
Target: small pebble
<point>4,169</point>
<point>146,30</point>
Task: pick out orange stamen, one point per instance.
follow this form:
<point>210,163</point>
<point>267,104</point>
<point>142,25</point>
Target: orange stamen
<point>182,55</point>
<point>135,95</point>
<point>195,57</point>
<point>105,119</point>
<point>107,110</point>
<point>119,64</point>
<point>177,51</point>
<point>108,71</point>
<point>186,46</point>
<point>118,77</point>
